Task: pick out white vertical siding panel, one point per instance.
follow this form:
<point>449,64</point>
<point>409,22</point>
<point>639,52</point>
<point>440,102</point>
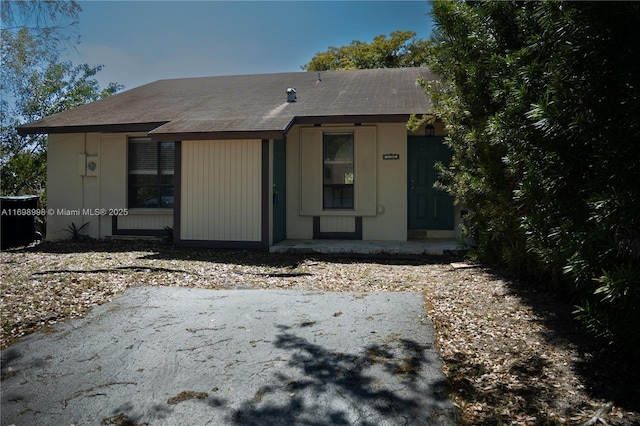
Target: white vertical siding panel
<point>255,192</point>
<point>229,195</point>
<point>245,186</point>
<point>190,190</point>
<point>221,190</point>
<point>251,196</point>
<point>234,183</point>
<point>238,196</point>
<point>218,189</point>
<point>185,182</point>
<point>337,224</point>
<point>189,208</point>
<point>213,215</point>
<point>202,218</point>
<point>224,195</point>
<point>203,201</point>
<point>212,199</point>
<point>241,170</point>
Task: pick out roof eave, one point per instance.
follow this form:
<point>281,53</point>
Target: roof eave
<point>97,128</point>
<point>213,135</point>
<point>224,135</point>
<point>356,119</point>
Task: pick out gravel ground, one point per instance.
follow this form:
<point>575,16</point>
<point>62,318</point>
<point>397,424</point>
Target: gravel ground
<point>512,353</point>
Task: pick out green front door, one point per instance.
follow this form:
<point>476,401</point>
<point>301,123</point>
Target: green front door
<point>279,190</point>
<point>429,208</point>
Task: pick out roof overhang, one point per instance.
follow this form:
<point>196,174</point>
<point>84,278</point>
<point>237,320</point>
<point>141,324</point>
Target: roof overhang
<point>97,128</point>
<point>346,119</point>
<point>342,119</point>
<point>159,135</point>
<point>187,136</point>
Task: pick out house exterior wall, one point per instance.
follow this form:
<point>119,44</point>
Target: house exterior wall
<point>221,190</point>
<point>380,185</point>
<point>222,187</point>
<point>64,184</point>
<point>381,199</point>
<point>74,192</point>
<point>298,227</point>
<point>310,174</point>
<point>390,221</point>
<point>158,220</point>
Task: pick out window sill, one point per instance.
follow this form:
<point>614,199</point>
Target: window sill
<point>338,212</point>
<point>135,211</point>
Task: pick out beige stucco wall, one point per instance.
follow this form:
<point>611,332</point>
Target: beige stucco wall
<point>390,222</point>
<point>64,183</point>
<point>221,190</point>
<point>298,226</point>
<point>380,185</point>
<point>215,185</point>
<point>385,215</point>
<point>310,171</point>
<point>73,190</point>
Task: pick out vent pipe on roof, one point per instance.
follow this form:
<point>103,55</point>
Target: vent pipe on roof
<point>291,94</point>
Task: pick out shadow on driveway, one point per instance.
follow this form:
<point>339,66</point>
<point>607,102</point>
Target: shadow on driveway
<point>334,388</point>
<point>166,356</point>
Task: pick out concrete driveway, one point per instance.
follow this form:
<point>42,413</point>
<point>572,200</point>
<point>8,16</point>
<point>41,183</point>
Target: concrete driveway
<point>180,356</point>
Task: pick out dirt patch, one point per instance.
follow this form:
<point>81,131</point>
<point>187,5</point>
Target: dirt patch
<point>185,396</point>
<point>120,420</point>
<point>512,354</point>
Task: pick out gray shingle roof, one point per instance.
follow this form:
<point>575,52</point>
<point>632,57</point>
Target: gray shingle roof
<point>246,103</point>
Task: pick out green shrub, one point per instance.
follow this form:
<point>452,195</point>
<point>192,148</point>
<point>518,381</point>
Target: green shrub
<point>541,101</point>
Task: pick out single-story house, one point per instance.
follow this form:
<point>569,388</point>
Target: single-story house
<point>247,161</point>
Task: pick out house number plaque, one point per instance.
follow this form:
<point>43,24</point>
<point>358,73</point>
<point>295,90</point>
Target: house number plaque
<point>390,156</point>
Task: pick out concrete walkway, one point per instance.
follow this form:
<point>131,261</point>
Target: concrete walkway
<point>413,248</point>
<point>177,356</point>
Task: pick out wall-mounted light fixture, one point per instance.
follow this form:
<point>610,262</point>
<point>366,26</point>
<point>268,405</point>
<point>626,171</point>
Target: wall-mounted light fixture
<point>429,130</point>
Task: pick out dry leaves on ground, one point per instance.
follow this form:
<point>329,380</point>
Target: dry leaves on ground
<point>512,355</point>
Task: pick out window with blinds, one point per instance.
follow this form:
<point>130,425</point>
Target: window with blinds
<point>338,179</point>
<point>151,177</point>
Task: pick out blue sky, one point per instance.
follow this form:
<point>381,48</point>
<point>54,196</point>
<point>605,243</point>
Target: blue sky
<point>142,41</point>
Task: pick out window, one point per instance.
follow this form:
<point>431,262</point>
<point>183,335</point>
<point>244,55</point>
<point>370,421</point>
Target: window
<point>150,173</point>
<point>338,177</point>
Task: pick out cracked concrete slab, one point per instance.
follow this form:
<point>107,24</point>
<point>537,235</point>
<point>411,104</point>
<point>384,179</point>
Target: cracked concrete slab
<point>169,356</point>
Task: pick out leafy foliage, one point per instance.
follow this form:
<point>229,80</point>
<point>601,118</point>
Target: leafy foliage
<point>75,232</point>
<point>168,235</point>
<point>541,100</point>
<point>400,49</point>
<point>36,84</point>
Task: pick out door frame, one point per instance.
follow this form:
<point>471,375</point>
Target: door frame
<point>438,202</point>
<point>279,190</point>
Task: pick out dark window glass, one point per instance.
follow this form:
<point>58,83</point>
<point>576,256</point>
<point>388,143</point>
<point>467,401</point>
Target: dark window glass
<point>150,173</point>
<point>338,173</point>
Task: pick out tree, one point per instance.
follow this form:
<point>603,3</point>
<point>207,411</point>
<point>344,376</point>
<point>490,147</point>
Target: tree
<point>401,49</point>
<point>36,84</point>
<point>541,101</point>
